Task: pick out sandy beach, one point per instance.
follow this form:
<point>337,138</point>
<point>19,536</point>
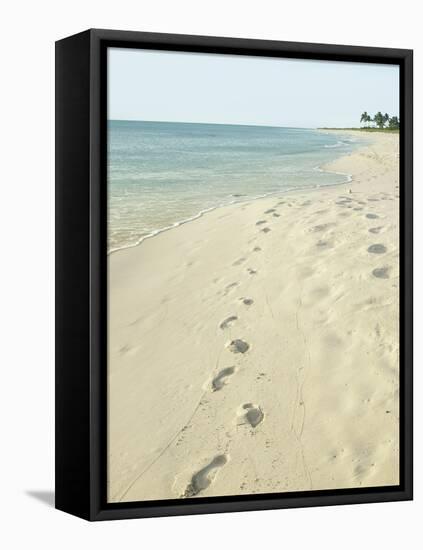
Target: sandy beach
<point>255,349</point>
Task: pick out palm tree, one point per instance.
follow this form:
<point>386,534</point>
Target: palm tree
<point>379,120</point>
<point>394,123</point>
<point>364,117</point>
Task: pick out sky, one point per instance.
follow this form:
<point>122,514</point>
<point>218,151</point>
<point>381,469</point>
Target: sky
<point>227,89</point>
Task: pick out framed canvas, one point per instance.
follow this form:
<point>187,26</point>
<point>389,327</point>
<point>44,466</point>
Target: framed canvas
<point>233,274</point>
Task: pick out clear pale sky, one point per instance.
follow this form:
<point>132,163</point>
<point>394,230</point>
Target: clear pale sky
<point>194,87</point>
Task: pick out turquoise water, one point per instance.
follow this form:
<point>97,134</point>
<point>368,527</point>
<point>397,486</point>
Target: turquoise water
<point>161,174</point>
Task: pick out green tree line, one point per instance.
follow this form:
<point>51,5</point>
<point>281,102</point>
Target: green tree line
<point>380,121</point>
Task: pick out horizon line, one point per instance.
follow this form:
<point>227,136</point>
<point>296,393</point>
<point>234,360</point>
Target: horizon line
<point>214,123</point>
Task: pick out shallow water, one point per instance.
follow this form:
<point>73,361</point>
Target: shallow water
<point>161,174</point>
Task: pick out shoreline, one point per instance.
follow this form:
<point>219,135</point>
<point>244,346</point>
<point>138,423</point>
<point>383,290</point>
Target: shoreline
<point>319,168</point>
<point>256,350</point>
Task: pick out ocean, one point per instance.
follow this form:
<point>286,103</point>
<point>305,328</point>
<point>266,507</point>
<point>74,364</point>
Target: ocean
<point>162,174</point>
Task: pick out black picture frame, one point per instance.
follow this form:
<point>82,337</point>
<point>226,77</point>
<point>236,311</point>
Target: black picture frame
<point>81,273</point>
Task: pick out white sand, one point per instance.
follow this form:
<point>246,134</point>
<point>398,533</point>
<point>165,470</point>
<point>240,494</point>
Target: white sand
<point>313,402</point>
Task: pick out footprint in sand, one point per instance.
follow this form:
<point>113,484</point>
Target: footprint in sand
<point>238,346</point>
<point>128,350</point>
<point>375,230</point>
<point>229,287</point>
<point>321,227</point>
<point>239,261</point>
<point>320,212</point>
<point>270,211</point>
<point>377,249</point>
<point>276,215</point>
<point>381,272</point>
<point>247,301</point>
<point>372,216</point>
<point>251,414</point>
<point>323,245</point>
<point>228,322</point>
<point>266,229</point>
<point>220,380</point>
<point>205,477</point>
<point>256,249</point>
<point>261,222</point>
<point>252,271</point>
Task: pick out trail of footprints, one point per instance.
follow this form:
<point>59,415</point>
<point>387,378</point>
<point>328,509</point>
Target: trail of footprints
<point>249,414</point>
<point>377,248</point>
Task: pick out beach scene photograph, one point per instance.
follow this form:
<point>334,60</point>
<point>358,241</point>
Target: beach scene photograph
<point>253,275</point>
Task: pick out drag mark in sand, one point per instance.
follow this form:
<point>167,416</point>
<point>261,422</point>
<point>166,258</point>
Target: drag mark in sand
<point>300,406</point>
<point>268,305</point>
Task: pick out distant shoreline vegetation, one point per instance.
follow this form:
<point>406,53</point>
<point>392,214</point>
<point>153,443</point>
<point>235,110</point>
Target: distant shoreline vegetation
<point>384,130</point>
<point>379,123</point>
